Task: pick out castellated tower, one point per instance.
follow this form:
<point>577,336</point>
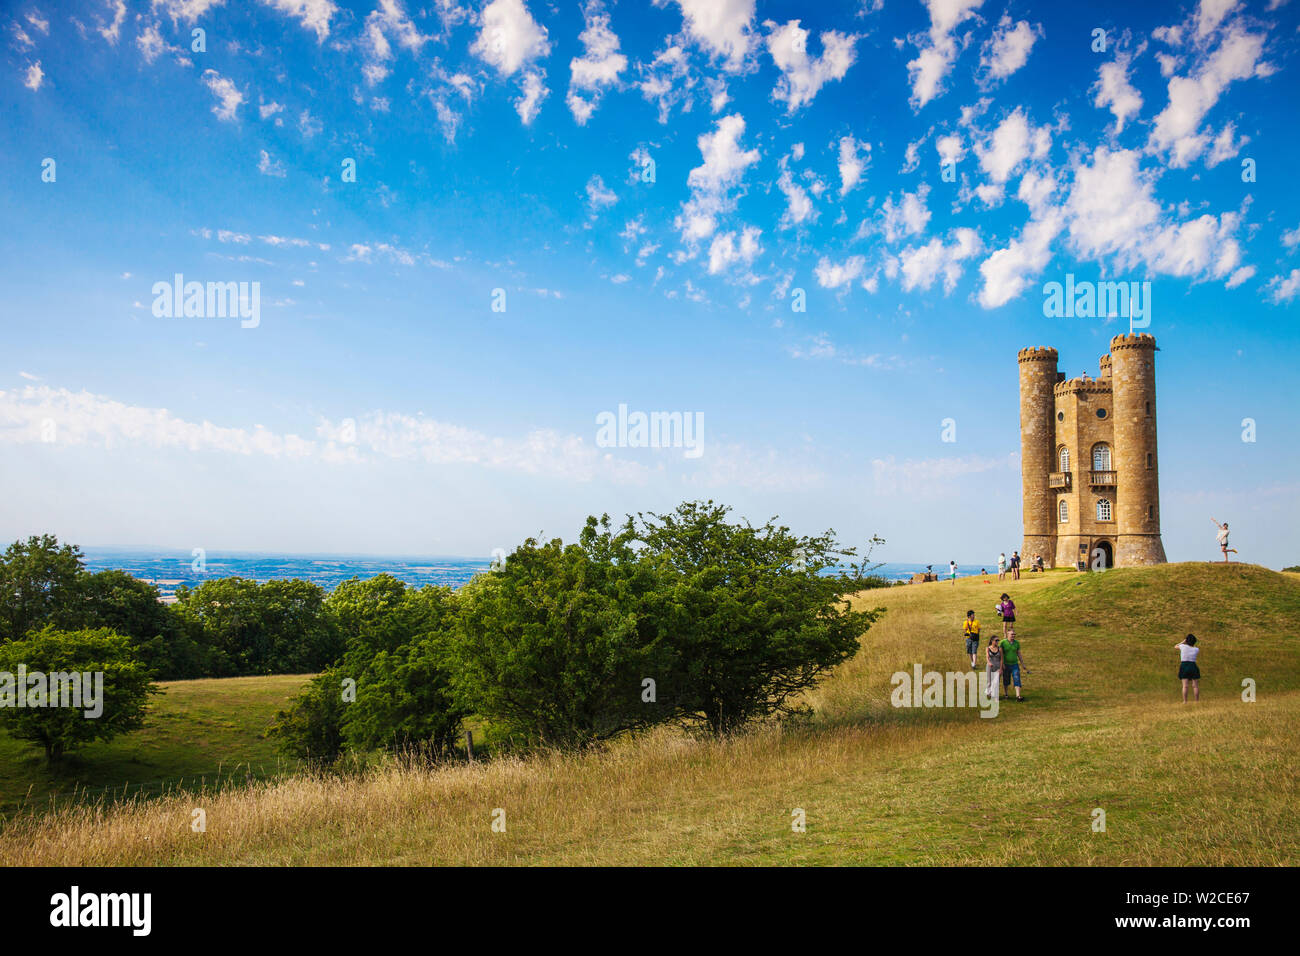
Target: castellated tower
<point>1089,471</point>
<point>1038,375</point>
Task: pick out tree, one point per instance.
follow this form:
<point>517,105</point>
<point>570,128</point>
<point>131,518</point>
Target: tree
<point>38,582</point>
<point>132,607</point>
<point>397,657</point>
<point>280,627</point>
<point>311,728</point>
<point>555,645</point>
<point>52,655</point>
<point>757,615</point>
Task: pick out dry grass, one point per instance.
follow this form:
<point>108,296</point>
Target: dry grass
<point>1210,784</point>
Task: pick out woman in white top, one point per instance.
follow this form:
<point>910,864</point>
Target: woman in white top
<point>1223,539</point>
<point>1002,565</point>
<point>1187,670</point>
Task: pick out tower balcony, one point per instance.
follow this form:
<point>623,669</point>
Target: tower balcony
<point>1059,480</point>
<point>1101,479</point>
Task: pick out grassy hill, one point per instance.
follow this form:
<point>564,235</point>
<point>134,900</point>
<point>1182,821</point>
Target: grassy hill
<point>1212,783</point>
<point>196,730</point>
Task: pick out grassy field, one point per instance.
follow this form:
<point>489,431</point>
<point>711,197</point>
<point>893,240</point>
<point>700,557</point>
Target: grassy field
<point>196,730</point>
<point>1212,783</point>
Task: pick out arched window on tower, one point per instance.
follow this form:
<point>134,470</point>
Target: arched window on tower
<point>1063,511</point>
<point>1101,457</point>
<point>1063,455</point>
<point>1103,509</point>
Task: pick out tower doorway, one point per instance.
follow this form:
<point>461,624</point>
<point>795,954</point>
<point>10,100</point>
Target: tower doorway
<point>1103,556</point>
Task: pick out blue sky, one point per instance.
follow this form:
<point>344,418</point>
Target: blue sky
<point>731,211</point>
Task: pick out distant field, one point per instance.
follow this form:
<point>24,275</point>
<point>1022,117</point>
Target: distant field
<point>1103,727</point>
<point>196,729</point>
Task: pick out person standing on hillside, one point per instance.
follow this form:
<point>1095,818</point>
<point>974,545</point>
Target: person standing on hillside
<point>1002,565</point>
<point>1015,565</point>
<point>1223,539</point>
<point>952,572</point>
<point>992,665</point>
<point>1012,657</point>
<point>972,631</point>
<point>1007,609</point>
<point>1187,668</point>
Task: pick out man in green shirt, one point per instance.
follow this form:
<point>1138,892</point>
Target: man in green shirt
<point>1012,658</point>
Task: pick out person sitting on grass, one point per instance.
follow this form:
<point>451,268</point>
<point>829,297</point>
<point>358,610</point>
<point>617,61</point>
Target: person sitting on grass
<point>992,665</point>
<point>972,631</point>
<point>1012,657</point>
<point>1187,670</point>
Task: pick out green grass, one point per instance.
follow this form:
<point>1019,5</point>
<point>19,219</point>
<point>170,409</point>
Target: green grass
<point>198,729</point>
<point>1214,783</point>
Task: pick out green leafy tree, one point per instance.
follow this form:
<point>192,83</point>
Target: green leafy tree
<point>396,655</point>
<point>311,727</point>
<point>126,688</point>
<point>132,607</point>
<point>38,584</point>
<point>757,614</point>
<point>554,646</point>
<point>280,627</point>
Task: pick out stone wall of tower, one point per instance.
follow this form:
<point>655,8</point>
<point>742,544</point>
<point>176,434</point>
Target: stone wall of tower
<point>1137,462</point>
<point>1083,419</point>
<point>1038,378</point>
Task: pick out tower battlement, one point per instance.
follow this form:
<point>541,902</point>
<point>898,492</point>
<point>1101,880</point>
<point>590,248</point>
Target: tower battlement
<point>1037,354</point>
<point>1088,458</point>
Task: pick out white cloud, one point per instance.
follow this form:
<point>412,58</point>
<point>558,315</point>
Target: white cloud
<point>727,250</point>
<point>1291,238</point>
<point>228,96</point>
<point>932,477</point>
<point>907,217</point>
<point>834,275</point>
<point>711,182</point>
<point>314,14</point>
<point>34,76</point>
<point>1284,289</point>
<point>799,208</point>
<point>1007,148</point>
<point>599,195</point>
<point>111,31</point>
<point>951,149</point>
<point>1116,92</point>
<point>37,22</point>
<point>1008,49</point>
<point>387,20</point>
<point>934,61</point>
<point>534,91</point>
<point>1226,145</point>
<point>509,37</point>
<point>802,76</point>
<point>270,167</point>
<point>723,28</point>
<point>921,265</point>
<point>851,165</point>
<point>598,67</point>
<point>667,80</point>
<point>1177,127</point>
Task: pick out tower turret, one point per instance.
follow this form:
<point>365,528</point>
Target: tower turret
<point>1038,377</point>
<point>1137,489</point>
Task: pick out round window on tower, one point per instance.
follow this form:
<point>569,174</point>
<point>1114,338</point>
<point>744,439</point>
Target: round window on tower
<point>1060,416</point>
<point>1101,413</point>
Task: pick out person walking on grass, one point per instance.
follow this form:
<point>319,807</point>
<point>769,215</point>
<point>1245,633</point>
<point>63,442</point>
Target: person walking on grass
<point>972,631</point>
<point>1187,669</point>
<point>992,665</point>
<point>1223,539</point>
<point>1012,658</point>
<point>1006,609</point>
<point>952,572</point>
<point>1015,565</point>
<point>1002,566</point>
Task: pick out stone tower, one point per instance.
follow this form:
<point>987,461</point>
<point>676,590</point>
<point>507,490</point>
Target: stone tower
<point>1089,469</point>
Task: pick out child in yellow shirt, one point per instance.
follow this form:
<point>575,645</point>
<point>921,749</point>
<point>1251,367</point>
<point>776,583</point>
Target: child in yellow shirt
<point>972,632</point>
